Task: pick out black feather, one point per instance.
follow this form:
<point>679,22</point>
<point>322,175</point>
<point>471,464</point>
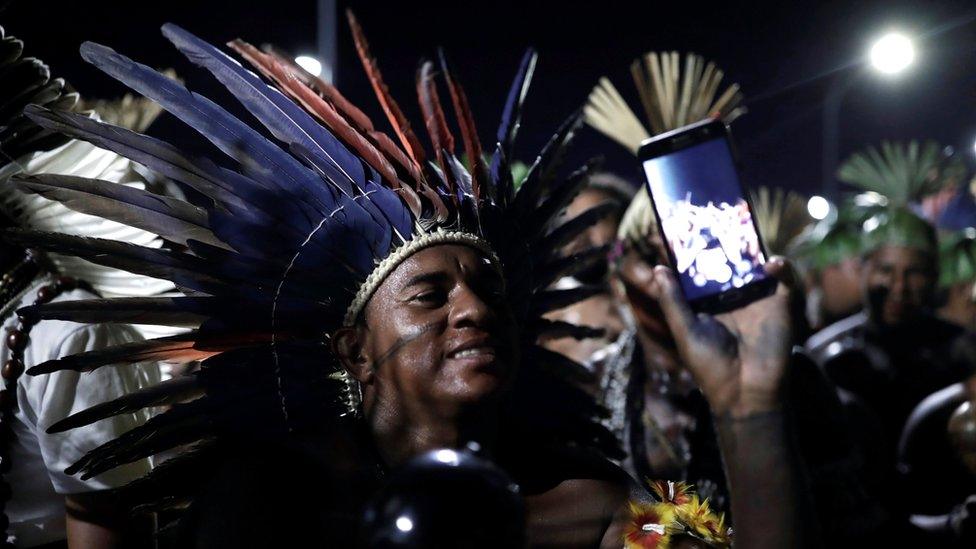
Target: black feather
<point>570,229</point>
<point>556,329</point>
<point>558,365</point>
<point>566,266</point>
<point>181,424</point>
<point>167,393</point>
<point>182,312</point>
<point>550,300</point>
<point>170,218</point>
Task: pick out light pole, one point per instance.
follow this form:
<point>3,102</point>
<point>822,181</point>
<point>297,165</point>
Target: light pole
<point>890,55</point>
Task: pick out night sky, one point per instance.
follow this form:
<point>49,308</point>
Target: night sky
<point>784,55</point>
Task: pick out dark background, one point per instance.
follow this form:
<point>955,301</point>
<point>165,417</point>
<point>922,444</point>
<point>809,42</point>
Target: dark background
<point>783,54</point>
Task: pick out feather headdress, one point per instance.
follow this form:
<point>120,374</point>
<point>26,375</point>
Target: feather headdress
<point>672,96</point>
<point>300,228</point>
<point>781,216</point>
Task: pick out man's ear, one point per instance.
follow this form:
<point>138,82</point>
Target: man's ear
<point>348,345</point>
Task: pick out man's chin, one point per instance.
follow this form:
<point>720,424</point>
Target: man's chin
<point>480,387</point>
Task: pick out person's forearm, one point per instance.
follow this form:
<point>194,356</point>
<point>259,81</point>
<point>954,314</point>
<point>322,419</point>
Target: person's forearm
<point>94,522</point>
<point>88,535</point>
<point>771,507</point>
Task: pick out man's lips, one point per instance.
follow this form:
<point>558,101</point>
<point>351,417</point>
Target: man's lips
<point>476,349</point>
<point>473,352</point>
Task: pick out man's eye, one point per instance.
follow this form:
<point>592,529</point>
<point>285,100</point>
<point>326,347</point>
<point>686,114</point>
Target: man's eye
<point>428,297</point>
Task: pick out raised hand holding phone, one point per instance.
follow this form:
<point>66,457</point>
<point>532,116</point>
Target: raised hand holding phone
<point>738,358</point>
<point>705,217</point>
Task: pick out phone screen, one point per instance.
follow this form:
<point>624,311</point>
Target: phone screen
<point>705,218</point>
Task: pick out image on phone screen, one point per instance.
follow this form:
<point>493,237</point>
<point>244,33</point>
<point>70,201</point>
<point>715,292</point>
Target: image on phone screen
<point>705,218</point>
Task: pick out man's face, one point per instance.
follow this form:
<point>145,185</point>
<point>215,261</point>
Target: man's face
<point>841,286</point>
<point>898,284</point>
<point>438,333</point>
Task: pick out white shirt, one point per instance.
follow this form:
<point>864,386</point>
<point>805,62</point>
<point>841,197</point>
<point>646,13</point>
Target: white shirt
<point>37,479</point>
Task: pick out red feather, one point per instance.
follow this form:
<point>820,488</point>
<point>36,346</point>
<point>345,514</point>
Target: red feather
<point>396,117</point>
<point>286,80</point>
<point>355,117</point>
<point>434,119</point>
<point>326,91</point>
<point>469,132</point>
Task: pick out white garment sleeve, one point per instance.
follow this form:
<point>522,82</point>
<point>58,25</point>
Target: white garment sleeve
<point>61,394</point>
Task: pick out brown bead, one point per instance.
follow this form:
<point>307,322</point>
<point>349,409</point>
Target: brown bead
<point>66,283</point>
<point>12,369</point>
<point>45,294</point>
<point>26,323</point>
<point>16,340</point>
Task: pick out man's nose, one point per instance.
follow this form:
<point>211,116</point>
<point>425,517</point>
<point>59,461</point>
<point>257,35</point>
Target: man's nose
<point>470,309</point>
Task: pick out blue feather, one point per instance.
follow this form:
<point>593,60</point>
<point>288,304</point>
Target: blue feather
<point>263,161</point>
<point>287,121</point>
<point>225,187</point>
<point>500,171</point>
<point>512,113</point>
<point>392,207</point>
<point>959,214</point>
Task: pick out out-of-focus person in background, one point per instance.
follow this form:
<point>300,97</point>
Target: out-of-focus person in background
<point>896,352</point>
<point>669,430</point>
<point>42,505</point>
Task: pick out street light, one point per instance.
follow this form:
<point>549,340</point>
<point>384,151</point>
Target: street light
<point>818,207</point>
<point>309,63</point>
<point>890,54</point>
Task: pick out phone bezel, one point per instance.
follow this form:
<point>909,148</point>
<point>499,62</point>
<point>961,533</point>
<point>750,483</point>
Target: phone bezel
<point>683,138</point>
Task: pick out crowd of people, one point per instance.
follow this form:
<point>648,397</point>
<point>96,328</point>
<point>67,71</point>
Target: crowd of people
<point>373,342</point>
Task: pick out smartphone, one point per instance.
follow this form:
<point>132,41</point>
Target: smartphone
<point>705,217</point>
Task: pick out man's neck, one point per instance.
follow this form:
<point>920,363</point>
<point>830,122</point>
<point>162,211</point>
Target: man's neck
<point>399,438</point>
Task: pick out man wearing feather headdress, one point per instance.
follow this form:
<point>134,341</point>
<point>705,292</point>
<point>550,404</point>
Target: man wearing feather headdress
<point>43,505</point>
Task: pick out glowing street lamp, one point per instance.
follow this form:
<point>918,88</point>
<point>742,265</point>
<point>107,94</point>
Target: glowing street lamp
<point>818,207</point>
<point>892,53</point>
<point>309,63</point>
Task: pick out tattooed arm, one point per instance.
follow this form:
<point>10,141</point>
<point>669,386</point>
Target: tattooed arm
<point>739,361</point>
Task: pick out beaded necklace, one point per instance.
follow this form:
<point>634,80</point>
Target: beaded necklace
<point>13,286</point>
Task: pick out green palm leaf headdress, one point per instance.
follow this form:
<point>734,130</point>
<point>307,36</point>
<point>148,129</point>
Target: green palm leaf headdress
<point>903,174</point>
<point>957,258</point>
<point>837,237</point>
